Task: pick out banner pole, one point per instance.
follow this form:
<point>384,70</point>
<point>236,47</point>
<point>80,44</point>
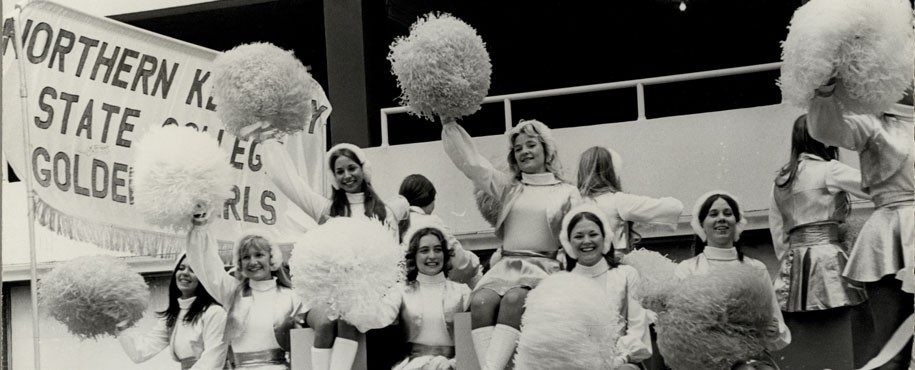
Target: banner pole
<point>27,179</point>
<point>5,178</point>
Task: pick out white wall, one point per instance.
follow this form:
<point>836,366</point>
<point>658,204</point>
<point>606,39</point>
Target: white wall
<point>682,156</point>
<point>61,350</point>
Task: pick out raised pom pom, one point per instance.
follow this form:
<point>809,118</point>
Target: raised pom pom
<point>178,170</point>
<point>714,320</point>
<point>92,294</point>
<point>868,45</point>
<point>568,323</point>
<point>442,67</point>
<point>348,264</point>
<point>656,277</point>
<point>261,84</point>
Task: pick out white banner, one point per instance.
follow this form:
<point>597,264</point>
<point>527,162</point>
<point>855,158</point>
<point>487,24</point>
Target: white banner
<point>94,88</point>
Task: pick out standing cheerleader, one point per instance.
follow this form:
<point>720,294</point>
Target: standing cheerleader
<point>419,193</point>
<point>598,179</point>
<point>193,326</point>
<point>262,306</point>
<point>583,237</point>
<point>718,221</point>
<point>428,300</point>
<point>809,201</point>
<point>526,209</point>
<point>885,248</point>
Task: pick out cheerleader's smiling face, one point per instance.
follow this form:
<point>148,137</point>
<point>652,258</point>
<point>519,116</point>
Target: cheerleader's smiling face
<point>186,280</point>
<point>529,153</point>
<point>720,224</point>
<point>348,174</point>
<point>255,263</point>
<point>430,255</point>
<point>587,238</point>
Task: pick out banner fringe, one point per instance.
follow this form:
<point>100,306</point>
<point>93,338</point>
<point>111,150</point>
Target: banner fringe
<point>110,237</point>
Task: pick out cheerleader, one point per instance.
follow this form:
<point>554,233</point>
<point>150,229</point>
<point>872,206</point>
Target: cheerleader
<point>885,248</point>
<point>598,180</point>
<point>192,326</point>
<point>335,342</point>
<point>718,221</point>
<point>429,300</point>
<point>526,209</point>
<point>583,238</point>
<point>809,201</point>
<point>261,304</point>
<point>419,193</point>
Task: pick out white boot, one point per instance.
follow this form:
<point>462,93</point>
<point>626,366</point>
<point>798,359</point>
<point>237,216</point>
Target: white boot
<point>344,354</point>
<point>481,338</point>
<point>501,347</point>
<point>320,358</point>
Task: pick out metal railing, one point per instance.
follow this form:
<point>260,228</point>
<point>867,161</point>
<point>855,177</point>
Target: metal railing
<point>639,84</point>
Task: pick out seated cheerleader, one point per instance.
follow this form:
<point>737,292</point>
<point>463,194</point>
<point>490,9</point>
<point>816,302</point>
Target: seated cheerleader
<point>718,220</point>
<point>526,209</point>
<point>583,238</point>
<point>335,342</point>
<point>419,193</point>
<point>259,298</point>
<point>598,180</point>
<point>428,300</point>
<point>192,326</point>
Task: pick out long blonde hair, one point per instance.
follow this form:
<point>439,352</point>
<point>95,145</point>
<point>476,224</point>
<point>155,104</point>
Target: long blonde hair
<point>596,173</point>
<point>539,130</point>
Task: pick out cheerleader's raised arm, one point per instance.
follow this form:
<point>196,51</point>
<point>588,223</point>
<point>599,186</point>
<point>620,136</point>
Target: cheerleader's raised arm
<point>203,257</point>
<point>827,123</point>
<point>464,154</point>
<point>291,182</point>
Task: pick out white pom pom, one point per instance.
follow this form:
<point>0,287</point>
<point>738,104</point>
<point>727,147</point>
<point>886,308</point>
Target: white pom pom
<point>260,83</point>
<point>717,319</point>
<point>349,264</point>
<point>178,169</point>
<point>568,323</point>
<point>91,295</point>
<point>442,67</point>
<point>656,277</point>
<point>867,44</point>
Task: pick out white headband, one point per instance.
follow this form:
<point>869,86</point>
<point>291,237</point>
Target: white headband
<point>360,155</point>
<point>589,208</point>
<point>697,225</point>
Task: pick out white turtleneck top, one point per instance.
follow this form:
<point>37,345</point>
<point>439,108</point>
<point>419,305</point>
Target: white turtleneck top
<point>621,284</point>
<point>202,340</point>
<point>433,332</point>
<point>712,257</point>
<point>257,334</point>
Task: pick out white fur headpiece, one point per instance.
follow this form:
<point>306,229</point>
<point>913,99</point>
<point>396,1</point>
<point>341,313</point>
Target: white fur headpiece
<point>589,208</point>
<point>697,225</point>
<point>360,155</point>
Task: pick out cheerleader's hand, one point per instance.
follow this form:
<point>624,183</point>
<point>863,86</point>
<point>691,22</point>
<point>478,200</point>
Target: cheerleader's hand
<point>828,88</point>
<point>121,326</point>
<point>201,214</point>
<point>446,120</point>
<point>772,329</point>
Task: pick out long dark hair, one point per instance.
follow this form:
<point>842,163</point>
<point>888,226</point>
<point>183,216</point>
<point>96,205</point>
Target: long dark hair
<point>339,206</point>
<point>698,244</point>
<point>198,307</point>
<point>412,270</point>
<point>419,192</point>
<point>609,256</point>
<point>802,142</point>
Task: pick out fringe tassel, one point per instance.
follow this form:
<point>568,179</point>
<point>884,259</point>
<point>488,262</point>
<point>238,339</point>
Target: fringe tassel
<point>116,238</point>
